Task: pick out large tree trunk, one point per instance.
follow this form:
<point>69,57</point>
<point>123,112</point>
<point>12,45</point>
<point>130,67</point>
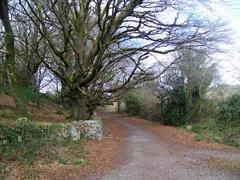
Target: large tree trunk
<point>3,70</point>
<point>9,40</point>
<point>80,108</point>
<point>10,57</point>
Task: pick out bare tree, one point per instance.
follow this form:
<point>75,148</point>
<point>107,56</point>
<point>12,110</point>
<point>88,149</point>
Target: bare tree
<point>10,56</point>
<point>28,42</point>
<point>9,40</point>
<point>87,37</point>
<point>184,86</point>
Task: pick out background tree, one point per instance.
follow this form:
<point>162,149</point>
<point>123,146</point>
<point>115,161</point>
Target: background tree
<point>30,51</point>
<point>184,86</point>
<point>199,73</point>
<point>9,59</point>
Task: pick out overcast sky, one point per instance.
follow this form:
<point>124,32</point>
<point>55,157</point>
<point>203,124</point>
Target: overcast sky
<point>229,11</point>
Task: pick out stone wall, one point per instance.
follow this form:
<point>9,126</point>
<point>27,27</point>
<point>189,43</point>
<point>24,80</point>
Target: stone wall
<point>23,128</point>
<point>92,129</point>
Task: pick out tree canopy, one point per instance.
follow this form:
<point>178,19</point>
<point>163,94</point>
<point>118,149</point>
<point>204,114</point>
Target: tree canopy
<point>99,49</point>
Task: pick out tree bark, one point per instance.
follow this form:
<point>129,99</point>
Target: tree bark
<point>80,108</point>
<point>10,57</point>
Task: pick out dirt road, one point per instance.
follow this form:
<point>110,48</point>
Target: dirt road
<point>153,151</point>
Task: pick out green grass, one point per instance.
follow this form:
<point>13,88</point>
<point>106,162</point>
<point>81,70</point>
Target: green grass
<point>216,132</point>
<point>62,161</point>
<point>80,162</point>
<point>7,114</point>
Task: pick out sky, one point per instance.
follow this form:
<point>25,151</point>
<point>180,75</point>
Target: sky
<point>229,61</point>
<point>227,11</point>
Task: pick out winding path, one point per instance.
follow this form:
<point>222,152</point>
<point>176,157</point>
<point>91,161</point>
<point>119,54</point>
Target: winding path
<point>151,156</point>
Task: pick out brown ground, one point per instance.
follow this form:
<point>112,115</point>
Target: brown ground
<point>7,101</point>
<point>137,149</point>
<point>45,112</point>
<point>177,135</point>
<point>162,152</point>
<point>104,155</point>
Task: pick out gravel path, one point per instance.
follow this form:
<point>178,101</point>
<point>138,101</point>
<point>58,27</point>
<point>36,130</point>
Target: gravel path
<point>151,156</point>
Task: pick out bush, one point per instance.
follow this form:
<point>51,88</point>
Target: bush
<point>222,125</point>
<point>209,109</point>
<point>30,94</point>
<point>143,103</point>
<point>230,110</point>
<point>234,108</point>
<point>4,89</point>
<point>7,114</point>
<point>175,110</point>
<point>208,124</point>
<point>21,141</point>
<point>218,132</point>
<point>133,104</point>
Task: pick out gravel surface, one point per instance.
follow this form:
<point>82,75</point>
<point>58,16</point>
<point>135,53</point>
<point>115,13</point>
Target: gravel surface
<point>168,155</point>
<point>138,149</point>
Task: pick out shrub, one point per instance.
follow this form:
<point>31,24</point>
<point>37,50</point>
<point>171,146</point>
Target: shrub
<point>230,110</point>
<point>234,107</point>
<point>8,136</point>
<point>4,89</point>
<point>133,104</point>
<point>175,110</point>
<point>209,109</point>
<point>30,94</point>
<point>208,124</point>
<point>218,132</point>
<point>21,141</point>
<point>7,114</point>
<point>142,102</point>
